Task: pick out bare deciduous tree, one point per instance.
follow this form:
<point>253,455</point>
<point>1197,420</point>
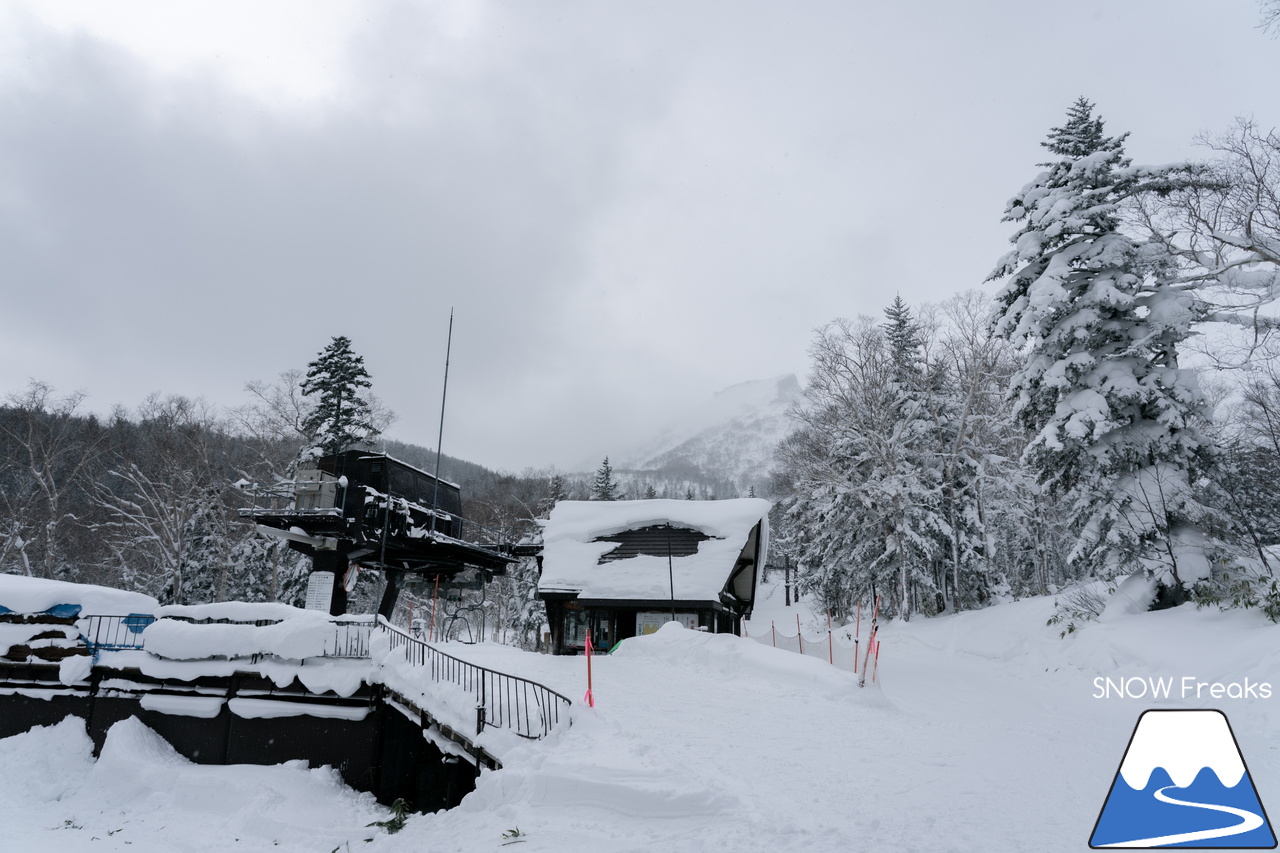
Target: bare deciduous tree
<point>1221,231</point>
<point>56,450</point>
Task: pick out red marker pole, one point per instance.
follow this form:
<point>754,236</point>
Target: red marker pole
<point>831,641</point>
<point>871,643</point>
<point>857,637</point>
<point>589,698</point>
<point>876,666</point>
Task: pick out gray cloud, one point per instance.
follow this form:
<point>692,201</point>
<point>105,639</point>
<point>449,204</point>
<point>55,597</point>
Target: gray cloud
<point>629,206</point>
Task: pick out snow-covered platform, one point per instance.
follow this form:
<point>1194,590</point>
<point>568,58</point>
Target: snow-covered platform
<point>238,683</point>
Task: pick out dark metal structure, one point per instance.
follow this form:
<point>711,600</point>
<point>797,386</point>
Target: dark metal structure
<point>374,511</point>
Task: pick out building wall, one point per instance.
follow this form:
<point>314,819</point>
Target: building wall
<point>385,753</point>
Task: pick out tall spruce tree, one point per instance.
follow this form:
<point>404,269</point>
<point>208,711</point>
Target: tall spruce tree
<point>1114,419</point>
<point>342,415</point>
<point>909,478</point>
<point>863,517</point>
<point>604,488</point>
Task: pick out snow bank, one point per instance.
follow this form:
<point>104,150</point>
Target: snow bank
<point>22,594</point>
<point>270,709</point>
<point>295,639</point>
<point>731,657</point>
<point>75,669</point>
<point>703,741</point>
<point>62,755</point>
<point>142,796</point>
<point>571,555</point>
<point>204,707</point>
<point>236,611</point>
<point>1134,594</point>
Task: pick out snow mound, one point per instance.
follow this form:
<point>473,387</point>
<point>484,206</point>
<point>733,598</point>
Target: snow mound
<point>620,790</point>
<point>35,595</point>
<point>1134,595</point>
<point>131,747</point>
<point>729,656</point>
<point>294,639</point>
<point>75,669</point>
<point>61,756</point>
<point>236,611</point>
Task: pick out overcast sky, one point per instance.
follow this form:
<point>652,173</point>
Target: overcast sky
<point>630,205</point>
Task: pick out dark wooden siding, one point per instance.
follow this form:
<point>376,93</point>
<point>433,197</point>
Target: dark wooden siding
<point>657,541</point>
<point>392,476</point>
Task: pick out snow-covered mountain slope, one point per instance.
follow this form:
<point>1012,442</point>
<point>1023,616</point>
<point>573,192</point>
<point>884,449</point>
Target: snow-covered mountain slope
<point>731,437</point>
<point>984,733</point>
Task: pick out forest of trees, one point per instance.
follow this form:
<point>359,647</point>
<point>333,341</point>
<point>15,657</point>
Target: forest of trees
<point>146,499</point>
<point>1055,432</point>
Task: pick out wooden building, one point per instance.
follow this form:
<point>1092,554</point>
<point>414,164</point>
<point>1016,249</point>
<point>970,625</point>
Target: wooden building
<point>625,568</point>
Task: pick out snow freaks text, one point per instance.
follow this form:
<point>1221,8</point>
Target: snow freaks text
<point>1186,687</point>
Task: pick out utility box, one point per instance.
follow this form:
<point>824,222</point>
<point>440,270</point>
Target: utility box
<point>314,489</point>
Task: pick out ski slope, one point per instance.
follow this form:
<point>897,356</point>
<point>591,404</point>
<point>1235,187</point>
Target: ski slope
<point>982,733</point>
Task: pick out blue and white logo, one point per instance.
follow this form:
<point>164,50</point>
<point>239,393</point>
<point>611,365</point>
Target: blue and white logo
<point>1183,783</point>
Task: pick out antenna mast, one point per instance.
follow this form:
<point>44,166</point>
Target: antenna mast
<point>435,494</point>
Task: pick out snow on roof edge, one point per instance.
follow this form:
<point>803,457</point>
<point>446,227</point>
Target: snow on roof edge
<point>572,550</point>
<point>586,521</point>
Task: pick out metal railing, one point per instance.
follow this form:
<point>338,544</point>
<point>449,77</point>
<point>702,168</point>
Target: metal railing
<point>122,633</point>
<point>529,709</point>
<point>114,633</point>
<point>350,640</point>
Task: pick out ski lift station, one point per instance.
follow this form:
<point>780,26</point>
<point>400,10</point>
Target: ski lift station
<point>368,509</point>
<point>621,569</point>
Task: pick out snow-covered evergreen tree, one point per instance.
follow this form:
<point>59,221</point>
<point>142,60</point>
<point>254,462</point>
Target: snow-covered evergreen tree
<point>863,514</point>
<point>343,414</point>
<point>604,488</point>
<point>909,473</point>
<point>557,490</point>
<point>1115,420</point>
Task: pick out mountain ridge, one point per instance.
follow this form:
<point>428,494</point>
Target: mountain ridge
<point>730,438</point>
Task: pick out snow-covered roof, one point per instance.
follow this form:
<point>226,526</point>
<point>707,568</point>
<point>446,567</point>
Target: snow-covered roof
<point>373,454</point>
<point>571,551</point>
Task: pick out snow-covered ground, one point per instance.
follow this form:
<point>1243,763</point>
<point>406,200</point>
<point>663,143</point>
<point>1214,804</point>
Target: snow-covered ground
<point>983,733</point>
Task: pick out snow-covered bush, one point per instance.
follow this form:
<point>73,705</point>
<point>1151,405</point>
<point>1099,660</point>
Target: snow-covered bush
<point>1243,585</point>
<point>1076,606</point>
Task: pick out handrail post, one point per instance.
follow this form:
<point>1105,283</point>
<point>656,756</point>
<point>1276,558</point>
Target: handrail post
<point>510,689</point>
